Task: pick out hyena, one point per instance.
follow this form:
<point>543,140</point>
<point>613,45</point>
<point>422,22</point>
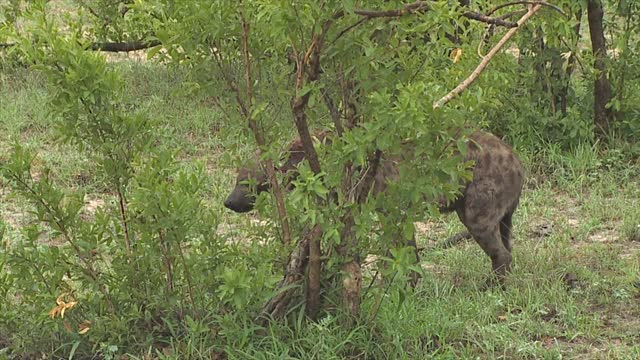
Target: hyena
<point>485,204</point>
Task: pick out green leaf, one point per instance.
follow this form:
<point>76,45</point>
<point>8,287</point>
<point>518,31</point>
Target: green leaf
<point>153,51</point>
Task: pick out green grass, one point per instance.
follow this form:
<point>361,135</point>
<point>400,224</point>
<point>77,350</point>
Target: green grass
<point>579,217</point>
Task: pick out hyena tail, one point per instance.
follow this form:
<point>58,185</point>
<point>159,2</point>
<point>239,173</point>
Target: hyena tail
<point>505,230</point>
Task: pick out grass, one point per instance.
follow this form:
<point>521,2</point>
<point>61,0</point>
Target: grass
<point>573,292</point>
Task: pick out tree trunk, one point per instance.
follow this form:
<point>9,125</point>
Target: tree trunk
<point>561,98</point>
<point>309,65</point>
<point>602,87</point>
<point>351,272</point>
<point>278,306</point>
<point>348,250</point>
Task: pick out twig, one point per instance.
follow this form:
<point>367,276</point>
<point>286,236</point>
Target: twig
<point>351,27</point>
<point>485,61</point>
<point>378,301</point>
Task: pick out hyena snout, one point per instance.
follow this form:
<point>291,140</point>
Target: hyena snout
<point>241,200</point>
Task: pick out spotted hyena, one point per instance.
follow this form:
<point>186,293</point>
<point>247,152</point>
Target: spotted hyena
<point>485,205</point>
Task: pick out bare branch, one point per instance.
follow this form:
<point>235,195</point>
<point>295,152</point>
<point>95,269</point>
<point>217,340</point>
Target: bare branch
<point>485,61</point>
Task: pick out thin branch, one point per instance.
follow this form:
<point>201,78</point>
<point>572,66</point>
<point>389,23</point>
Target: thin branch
<point>105,19</point>
<point>512,14</point>
<point>333,110</point>
<point>485,61</point>
<point>230,83</point>
<point>351,27</point>
<point>525,2</point>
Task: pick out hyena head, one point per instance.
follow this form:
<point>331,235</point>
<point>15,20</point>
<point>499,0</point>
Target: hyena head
<point>243,196</point>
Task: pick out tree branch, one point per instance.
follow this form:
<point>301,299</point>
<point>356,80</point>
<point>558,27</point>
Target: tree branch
<point>124,46</point>
<point>524,2</point>
<point>489,20</point>
<point>299,103</point>
<point>485,61</point>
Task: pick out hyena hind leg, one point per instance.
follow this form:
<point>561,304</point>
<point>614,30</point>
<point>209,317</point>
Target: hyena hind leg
<point>490,241</point>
